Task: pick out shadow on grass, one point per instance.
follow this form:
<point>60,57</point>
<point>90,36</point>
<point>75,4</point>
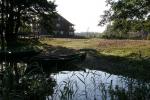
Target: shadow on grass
<point>133,66</point>
<point>24,48</point>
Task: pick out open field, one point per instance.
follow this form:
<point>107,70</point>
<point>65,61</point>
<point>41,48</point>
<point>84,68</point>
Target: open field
<point>122,57</point>
<point>107,47</point>
<point>127,63</point>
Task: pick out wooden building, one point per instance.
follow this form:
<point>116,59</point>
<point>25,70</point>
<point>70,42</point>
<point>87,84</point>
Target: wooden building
<point>61,28</point>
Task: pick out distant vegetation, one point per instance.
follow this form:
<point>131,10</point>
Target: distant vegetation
<point>127,19</point>
<point>135,31</point>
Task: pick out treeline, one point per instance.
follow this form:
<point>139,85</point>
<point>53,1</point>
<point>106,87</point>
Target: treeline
<point>127,30</point>
<point>127,18</point>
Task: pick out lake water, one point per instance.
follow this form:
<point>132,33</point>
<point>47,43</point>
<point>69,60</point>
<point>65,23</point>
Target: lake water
<point>74,83</point>
<point>98,85</point>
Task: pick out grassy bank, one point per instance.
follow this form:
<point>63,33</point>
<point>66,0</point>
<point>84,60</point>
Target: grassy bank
<point>125,57</point>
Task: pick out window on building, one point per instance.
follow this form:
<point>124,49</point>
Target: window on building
<point>57,25</point>
<point>61,32</point>
<point>59,18</point>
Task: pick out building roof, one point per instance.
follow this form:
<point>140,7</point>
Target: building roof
<point>58,15</point>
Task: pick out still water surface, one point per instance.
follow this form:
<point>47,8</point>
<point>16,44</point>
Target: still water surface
<point>98,85</point>
<point>73,83</point>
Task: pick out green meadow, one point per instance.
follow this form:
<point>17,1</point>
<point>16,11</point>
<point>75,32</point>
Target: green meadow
<point>122,57</point>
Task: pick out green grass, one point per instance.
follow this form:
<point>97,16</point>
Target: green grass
<point>114,56</point>
<point>129,58</point>
<point>124,57</point>
<point>70,43</point>
<point>107,47</point>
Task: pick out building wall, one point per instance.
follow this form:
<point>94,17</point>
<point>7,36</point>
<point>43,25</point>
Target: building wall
<point>63,27</point>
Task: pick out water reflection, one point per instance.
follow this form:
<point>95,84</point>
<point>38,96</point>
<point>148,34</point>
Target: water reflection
<point>98,85</point>
<point>18,84</point>
<point>26,81</point>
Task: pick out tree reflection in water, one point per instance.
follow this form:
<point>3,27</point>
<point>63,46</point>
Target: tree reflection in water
<point>133,90</point>
<point>17,84</point>
<point>21,81</point>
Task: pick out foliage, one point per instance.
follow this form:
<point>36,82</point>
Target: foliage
<point>15,12</point>
<point>127,16</point>
<point>25,28</point>
<point>128,58</point>
<point>126,10</point>
<point>47,22</point>
<point>18,84</point>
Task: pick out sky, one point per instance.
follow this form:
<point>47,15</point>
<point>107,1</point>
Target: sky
<point>84,14</point>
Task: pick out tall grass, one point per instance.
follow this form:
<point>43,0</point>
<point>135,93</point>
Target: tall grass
<point>91,85</point>
<point>35,84</point>
<point>17,84</point>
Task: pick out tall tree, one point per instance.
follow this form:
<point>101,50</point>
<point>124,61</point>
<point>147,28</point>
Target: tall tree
<point>47,23</point>
<point>126,13</point>
<point>15,12</point>
<point>2,24</point>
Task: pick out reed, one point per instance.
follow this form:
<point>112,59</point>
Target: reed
<point>17,84</point>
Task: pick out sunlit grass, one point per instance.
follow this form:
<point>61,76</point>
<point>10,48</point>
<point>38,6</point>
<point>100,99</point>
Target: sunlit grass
<point>114,56</point>
<point>107,47</point>
<point>70,43</point>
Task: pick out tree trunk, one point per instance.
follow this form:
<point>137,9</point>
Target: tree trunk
<point>10,36</point>
<point>2,27</point>
<point>17,22</point>
<point>2,41</point>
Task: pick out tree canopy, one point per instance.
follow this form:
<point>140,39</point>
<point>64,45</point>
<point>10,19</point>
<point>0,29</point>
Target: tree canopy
<point>127,15</point>
<point>126,10</point>
<point>15,12</point>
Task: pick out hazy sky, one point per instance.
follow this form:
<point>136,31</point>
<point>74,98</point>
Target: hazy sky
<point>84,14</point>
